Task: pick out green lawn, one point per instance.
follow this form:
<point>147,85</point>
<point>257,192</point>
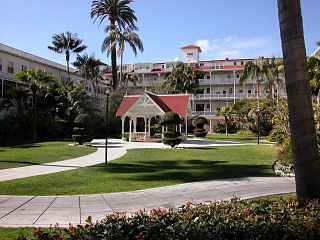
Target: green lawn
<point>13,233</point>
<point>275,197</point>
<point>147,168</point>
<point>20,155</point>
<point>236,138</point>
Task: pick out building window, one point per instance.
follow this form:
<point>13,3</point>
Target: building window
<point>200,91</point>
<point>224,92</point>
<point>230,90</point>
<point>208,77</point>
<point>24,68</point>
<point>249,91</point>
<point>10,67</point>
<point>124,68</point>
<point>217,92</point>
<point>189,54</point>
<point>218,109</point>
<point>201,64</point>
<point>208,90</point>
<point>208,105</point>
<point>200,107</point>
<point>241,63</point>
<point>238,75</point>
<point>229,76</point>
<point>240,90</point>
<point>0,65</point>
<point>234,63</point>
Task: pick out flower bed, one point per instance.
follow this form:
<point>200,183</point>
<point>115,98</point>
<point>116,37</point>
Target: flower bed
<point>220,220</point>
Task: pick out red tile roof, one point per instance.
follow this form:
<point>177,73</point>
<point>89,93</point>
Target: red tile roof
<point>191,46</point>
<point>233,67</point>
<point>175,103</point>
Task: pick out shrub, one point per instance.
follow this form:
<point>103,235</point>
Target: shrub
<point>245,132</point>
<point>282,219</point>
<point>83,131</point>
<point>200,132</point>
<point>171,137</point>
<point>200,122</point>
<point>125,136</point>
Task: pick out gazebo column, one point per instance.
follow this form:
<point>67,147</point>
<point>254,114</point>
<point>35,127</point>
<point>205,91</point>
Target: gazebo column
<point>122,125</point>
<point>186,122</point>
<point>130,129</point>
<point>162,131</point>
<point>145,127</point>
<point>149,123</point>
<point>135,128</point>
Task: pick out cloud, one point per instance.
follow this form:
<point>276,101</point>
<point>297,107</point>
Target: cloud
<point>234,47</point>
<point>176,59</point>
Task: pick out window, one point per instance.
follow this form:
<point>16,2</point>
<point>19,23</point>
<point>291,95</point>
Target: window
<point>208,105</point>
<point>208,90</point>
<point>230,90</point>
<point>234,63</point>
<point>201,64</point>
<point>124,68</point>
<point>241,63</point>
<point>208,77</point>
<point>249,90</point>
<point>200,91</point>
<point>189,54</point>
<point>240,90</point>
<point>228,76</point>
<point>217,92</point>
<point>24,68</point>
<point>200,107</point>
<point>0,65</point>
<point>218,109</point>
<point>224,92</point>
<point>238,75</point>
<point>10,67</point>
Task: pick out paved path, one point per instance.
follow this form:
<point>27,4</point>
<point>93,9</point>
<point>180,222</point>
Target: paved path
<point>18,211</point>
<point>116,149</point>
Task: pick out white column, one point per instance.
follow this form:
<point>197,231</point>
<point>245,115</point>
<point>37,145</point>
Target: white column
<point>210,131</point>
<point>149,123</point>
<point>234,86</point>
<point>145,127</point>
<point>162,131</point>
<point>180,128</point>
<point>186,122</point>
<point>130,129</point>
<point>122,123</point>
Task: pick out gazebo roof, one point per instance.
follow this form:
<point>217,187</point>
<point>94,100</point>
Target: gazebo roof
<point>167,103</point>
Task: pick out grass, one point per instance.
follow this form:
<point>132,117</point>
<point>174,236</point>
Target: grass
<point>236,138</point>
<point>13,233</point>
<point>21,155</point>
<point>147,168</point>
<point>275,197</point>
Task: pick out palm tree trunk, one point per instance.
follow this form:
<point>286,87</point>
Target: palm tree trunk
<point>68,66</point>
<point>302,125</point>
<point>34,117</point>
<point>121,59</point>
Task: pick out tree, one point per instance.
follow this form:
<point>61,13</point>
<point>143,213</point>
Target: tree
<point>67,43</point>
<point>127,78</point>
<point>314,74</point>
<point>227,113</point>
<point>199,130</point>
<point>34,78</point>
<point>88,67</point>
<point>170,120</point>
<point>183,78</point>
<point>119,38</point>
<point>120,16</point>
<point>302,125</point>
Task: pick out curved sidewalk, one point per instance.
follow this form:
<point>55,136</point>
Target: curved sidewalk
<point>116,149</point>
<point>31,211</point>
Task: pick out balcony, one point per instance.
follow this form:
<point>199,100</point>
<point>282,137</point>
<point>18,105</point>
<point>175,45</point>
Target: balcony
<point>223,96</point>
<point>221,81</point>
<point>204,113</point>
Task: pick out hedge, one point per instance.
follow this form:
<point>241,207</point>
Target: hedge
<point>282,219</point>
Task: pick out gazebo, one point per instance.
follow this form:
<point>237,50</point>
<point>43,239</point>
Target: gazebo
<point>149,105</point>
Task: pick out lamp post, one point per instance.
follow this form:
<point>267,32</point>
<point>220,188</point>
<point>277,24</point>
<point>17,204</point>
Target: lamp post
<point>258,125</point>
<point>107,123</point>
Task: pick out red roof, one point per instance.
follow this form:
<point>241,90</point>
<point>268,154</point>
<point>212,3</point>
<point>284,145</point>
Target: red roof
<point>233,67</point>
<point>191,46</point>
<point>175,103</point>
<point>159,70</point>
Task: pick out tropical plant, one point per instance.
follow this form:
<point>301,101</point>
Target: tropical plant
<point>83,130</point>
<point>183,78</point>
<point>120,16</point>
<point>133,79</point>
<point>314,75</point>
<point>119,38</point>
<point>227,113</point>
<point>88,67</point>
<point>199,131</point>
<point>170,120</point>
<point>34,78</point>
<point>302,125</point>
<point>67,43</point>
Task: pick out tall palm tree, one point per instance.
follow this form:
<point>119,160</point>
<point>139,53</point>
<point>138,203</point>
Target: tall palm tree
<point>134,79</point>
<point>183,78</point>
<point>67,43</point>
<point>119,38</point>
<point>88,67</point>
<point>302,125</point>
<point>227,113</point>
<point>35,79</point>
<point>119,15</point>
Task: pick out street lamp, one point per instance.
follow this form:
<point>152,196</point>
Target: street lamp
<point>107,123</point>
<point>258,125</point>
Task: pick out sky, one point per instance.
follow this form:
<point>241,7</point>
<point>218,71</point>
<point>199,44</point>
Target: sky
<point>223,29</point>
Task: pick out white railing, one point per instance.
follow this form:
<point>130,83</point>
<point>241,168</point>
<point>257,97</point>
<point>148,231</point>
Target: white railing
<point>221,81</point>
<point>204,113</point>
<point>223,96</point>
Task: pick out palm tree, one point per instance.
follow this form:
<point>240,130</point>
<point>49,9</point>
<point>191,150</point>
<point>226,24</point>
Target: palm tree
<point>302,125</point>
<point>119,15</point>
<point>88,67</point>
<point>34,78</point>
<point>314,74</point>
<point>227,113</point>
<point>67,43</point>
<point>183,78</point>
<point>127,78</point>
<point>127,36</point>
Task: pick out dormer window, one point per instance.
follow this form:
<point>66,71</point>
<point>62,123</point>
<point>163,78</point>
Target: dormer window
<point>189,54</point>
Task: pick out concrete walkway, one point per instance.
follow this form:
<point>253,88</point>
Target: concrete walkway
<point>31,211</point>
<point>116,149</point>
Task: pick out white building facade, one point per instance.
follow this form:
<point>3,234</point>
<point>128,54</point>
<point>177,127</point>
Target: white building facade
<point>13,60</point>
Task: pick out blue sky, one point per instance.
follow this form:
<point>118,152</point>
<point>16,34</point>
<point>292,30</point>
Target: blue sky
<point>232,28</point>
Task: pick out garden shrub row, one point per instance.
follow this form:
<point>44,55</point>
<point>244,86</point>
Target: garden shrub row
<point>282,219</point>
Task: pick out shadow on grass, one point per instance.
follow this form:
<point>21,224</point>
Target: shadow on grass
<point>186,171</point>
